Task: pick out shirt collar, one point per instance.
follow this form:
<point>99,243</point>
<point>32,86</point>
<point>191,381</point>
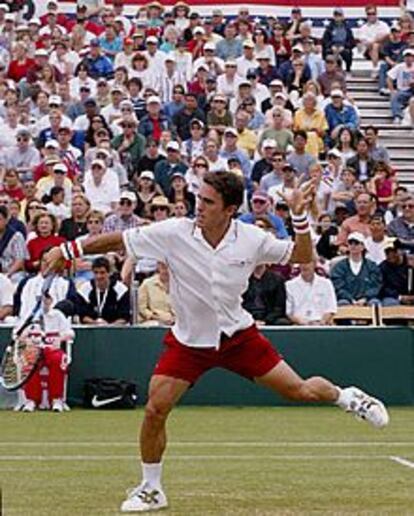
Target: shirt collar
<point>230,236</point>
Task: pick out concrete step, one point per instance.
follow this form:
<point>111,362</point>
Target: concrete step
<point>400,144</point>
<point>387,129</point>
<point>373,104</point>
<point>358,87</point>
<point>366,96</point>
<point>361,79</point>
<point>376,120</point>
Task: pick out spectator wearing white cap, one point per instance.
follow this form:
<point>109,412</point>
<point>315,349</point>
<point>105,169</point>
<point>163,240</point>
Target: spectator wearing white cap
<point>130,144</point>
<point>9,126</point>
<point>154,55</point>
<point>357,280</point>
<point>228,82</point>
<point>169,78</point>
<point>54,119</point>
<point>261,206</point>
<point>274,178</point>
<point>219,116</point>
<point>113,110</point>
<point>214,64</point>
<point>339,115</point>
<point>165,169</point>
<point>277,132</point>
<point>154,122</point>
<point>264,165</point>
<point>231,150</point>
<point>247,60</point>
<point>102,187</point>
<point>403,76</point>
<point>57,178</point>
<point>124,218</point>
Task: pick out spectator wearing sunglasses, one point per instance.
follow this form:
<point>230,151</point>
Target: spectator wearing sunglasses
<point>23,157</point>
<point>124,218</point>
<point>261,206</point>
<point>357,280</point>
<point>130,144</point>
<point>403,226</point>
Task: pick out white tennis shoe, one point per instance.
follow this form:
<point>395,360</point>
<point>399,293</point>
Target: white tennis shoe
<point>57,405</point>
<point>364,406</point>
<point>29,406</point>
<point>144,498</point>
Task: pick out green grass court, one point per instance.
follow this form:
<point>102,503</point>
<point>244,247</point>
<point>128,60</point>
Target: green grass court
<point>220,461</point>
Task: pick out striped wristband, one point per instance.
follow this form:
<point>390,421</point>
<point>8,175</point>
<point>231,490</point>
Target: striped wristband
<point>71,250</point>
<point>300,223</point>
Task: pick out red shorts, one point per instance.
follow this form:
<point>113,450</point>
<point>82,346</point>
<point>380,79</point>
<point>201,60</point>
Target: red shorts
<point>247,353</point>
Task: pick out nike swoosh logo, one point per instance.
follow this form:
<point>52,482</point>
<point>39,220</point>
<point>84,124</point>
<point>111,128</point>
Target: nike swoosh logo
<point>100,403</point>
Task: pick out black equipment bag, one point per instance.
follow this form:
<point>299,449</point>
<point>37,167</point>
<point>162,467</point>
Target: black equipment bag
<point>109,393</point>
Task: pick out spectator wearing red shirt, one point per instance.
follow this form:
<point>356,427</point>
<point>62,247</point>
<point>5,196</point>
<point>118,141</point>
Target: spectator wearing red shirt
<point>45,226</point>
<point>12,186</point>
<point>196,45</point>
<point>21,64</point>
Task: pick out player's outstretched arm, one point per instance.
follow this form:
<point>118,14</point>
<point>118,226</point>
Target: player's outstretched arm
<point>297,201</point>
<point>92,245</point>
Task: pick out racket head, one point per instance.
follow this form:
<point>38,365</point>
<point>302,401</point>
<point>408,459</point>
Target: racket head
<point>19,362</point>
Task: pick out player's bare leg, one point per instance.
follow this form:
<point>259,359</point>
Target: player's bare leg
<point>164,393</point>
<point>284,380</point>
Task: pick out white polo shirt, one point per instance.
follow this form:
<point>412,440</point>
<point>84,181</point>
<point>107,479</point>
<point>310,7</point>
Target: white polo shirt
<point>310,301</point>
<point>206,284</point>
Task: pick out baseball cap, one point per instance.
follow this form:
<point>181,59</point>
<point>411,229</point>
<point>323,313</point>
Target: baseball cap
<point>268,142</point>
<point>147,174</point>
<point>130,196</point>
<point>297,48</point>
<point>248,43</point>
<point>98,163</point>
<point>231,130</point>
<point>196,121</point>
<point>41,52</point>
<point>153,99</point>
<point>209,46</point>
<point>60,168</point>
<point>55,99</point>
<point>95,42</point>
<point>85,87</point>
<point>102,151</point>
<point>117,89</point>
<point>251,73</point>
<point>52,160</point>
<point>177,174</point>
<point>337,93</point>
<point>199,30</point>
<point>276,82</point>
<point>152,39</point>
<point>23,132</point>
<point>4,7</point>
<point>356,235</point>
<point>175,146</point>
<point>334,152</point>
<point>408,52</point>
<point>90,102</point>
<point>338,10</point>
<point>170,57</point>
<point>389,244</point>
<point>245,82</point>
<point>128,41</point>
<point>202,66</point>
<point>262,56</point>
<point>260,195</point>
<point>52,144</point>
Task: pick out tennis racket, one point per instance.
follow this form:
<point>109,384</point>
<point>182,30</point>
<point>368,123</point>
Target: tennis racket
<point>22,355</point>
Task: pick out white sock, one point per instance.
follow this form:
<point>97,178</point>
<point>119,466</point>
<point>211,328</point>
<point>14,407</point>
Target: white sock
<point>151,473</point>
<point>343,399</point>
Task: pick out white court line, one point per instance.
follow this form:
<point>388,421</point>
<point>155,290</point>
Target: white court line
<point>281,457</point>
<point>219,444</point>
<point>402,461</point>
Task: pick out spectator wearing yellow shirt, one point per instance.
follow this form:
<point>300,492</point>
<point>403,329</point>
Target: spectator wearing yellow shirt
<point>312,120</point>
<point>246,139</point>
<point>154,299</point>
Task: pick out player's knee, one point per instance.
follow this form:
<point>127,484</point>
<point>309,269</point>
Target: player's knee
<point>157,409</point>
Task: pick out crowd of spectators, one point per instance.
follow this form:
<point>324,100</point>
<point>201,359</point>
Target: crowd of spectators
<point>109,122</point>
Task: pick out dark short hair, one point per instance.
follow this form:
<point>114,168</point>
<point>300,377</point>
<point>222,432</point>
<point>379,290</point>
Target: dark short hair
<point>301,133</point>
<point>371,128</point>
<point>4,212</point>
<point>228,185</point>
<point>55,190</point>
<point>100,262</point>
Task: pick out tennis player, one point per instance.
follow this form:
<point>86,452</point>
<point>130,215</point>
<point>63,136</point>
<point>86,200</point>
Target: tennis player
<point>210,261</point>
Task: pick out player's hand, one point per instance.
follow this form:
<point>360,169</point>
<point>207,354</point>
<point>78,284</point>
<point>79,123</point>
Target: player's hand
<point>300,196</point>
<point>54,260</point>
